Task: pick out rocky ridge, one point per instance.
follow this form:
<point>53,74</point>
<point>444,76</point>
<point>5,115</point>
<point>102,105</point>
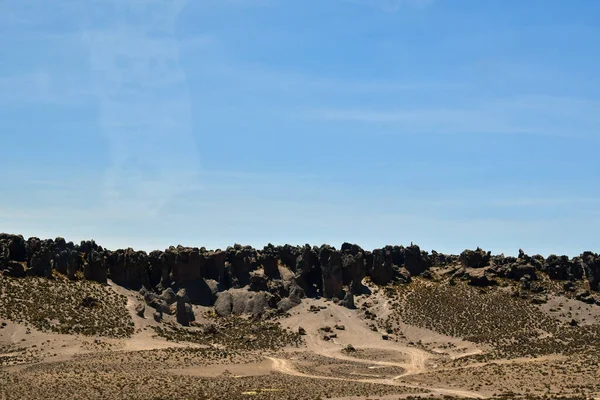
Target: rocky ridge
<point>245,280</point>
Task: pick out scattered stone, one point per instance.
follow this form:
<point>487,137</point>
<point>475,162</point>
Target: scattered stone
<point>140,309</point>
<point>157,315</point>
<point>349,349</point>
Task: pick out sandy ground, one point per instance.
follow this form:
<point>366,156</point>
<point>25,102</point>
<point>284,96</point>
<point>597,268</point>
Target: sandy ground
<point>410,362</point>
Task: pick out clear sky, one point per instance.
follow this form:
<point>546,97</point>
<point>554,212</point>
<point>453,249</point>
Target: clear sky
<point>449,123</point>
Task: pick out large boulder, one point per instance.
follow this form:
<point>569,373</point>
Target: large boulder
<point>241,301</point>
<point>184,313</point>
<point>348,300</point>
<point>157,302</point>
<point>475,258</point>
<point>479,277</point>
<point>14,269</point>
<point>224,304</point>
<point>168,296</point>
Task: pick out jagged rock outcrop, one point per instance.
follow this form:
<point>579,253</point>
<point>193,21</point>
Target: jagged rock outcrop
<point>258,281</point>
<point>189,265</point>
<point>331,270</point>
<point>4,256</point>
<point>269,261</point>
<point>241,261</point>
<point>158,270</point>
<point>128,267</point>
<point>382,271</point>
<point>415,261</point>
<point>479,277</point>
<point>15,244</point>
<point>591,266</point>
<point>354,268</point>
<point>308,273</point>
<point>215,268</point>
<point>475,258</point>
<point>562,268</point>
<point>244,280</point>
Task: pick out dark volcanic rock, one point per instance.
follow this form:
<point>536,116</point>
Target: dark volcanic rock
<point>94,262</point>
<point>159,270</point>
<point>415,261</point>
<point>403,275</point>
<point>479,277</point>
<point>168,296</point>
<point>140,309</point>
<point>331,269</point>
<point>591,266</point>
<point>308,271</point>
<point>184,312</point>
<point>268,259</point>
<point>15,245</point>
<point>562,268</point>
<point>4,255</point>
<point>40,257</point>
<point>348,300</point>
<point>157,315</point>
<point>354,270</point>
<point>128,267</point>
<point>475,258</point>
<point>258,281</point>
<point>14,269</point>
<point>242,260</point>
<point>382,271</point>
<point>224,304</point>
<point>199,292</point>
<point>215,268</point>
<point>189,265</point>
<point>240,301</point>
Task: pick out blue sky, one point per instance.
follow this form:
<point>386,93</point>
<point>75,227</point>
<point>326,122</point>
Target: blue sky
<point>452,124</point>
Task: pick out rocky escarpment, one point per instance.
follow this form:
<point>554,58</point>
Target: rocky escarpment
<point>241,279</point>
